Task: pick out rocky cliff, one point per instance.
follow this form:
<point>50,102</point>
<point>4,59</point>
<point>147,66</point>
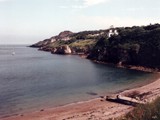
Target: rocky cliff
<point>61,50</point>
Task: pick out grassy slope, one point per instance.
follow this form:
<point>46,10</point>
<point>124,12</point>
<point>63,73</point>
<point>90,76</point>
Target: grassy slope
<point>150,111</point>
<point>77,43</point>
<point>83,43</point>
<point>57,44</point>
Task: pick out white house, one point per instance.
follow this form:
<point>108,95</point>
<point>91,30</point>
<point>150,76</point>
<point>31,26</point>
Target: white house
<point>112,32</point>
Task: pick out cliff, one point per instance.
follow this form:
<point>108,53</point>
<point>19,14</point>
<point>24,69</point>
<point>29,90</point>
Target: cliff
<point>138,46</point>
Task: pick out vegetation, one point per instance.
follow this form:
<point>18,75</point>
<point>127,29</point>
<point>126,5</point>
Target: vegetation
<point>57,44</point>
<point>78,46</point>
<point>89,34</point>
<point>150,111</point>
<point>83,43</point>
<point>133,46</point>
<point>137,45</point>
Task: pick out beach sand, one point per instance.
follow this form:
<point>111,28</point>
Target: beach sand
<point>96,109</point>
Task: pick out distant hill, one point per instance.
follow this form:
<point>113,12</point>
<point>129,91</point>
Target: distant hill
<point>68,42</point>
<point>65,35</point>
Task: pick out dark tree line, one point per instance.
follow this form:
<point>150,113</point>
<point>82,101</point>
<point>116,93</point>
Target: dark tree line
<point>134,46</point>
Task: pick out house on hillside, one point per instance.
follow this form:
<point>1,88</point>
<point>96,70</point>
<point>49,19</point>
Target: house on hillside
<point>112,31</point>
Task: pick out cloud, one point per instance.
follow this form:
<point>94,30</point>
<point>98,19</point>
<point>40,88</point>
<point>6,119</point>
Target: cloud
<point>2,0</point>
<point>5,1</point>
<point>92,2</point>
<point>135,9</point>
<point>63,7</point>
<point>79,4</point>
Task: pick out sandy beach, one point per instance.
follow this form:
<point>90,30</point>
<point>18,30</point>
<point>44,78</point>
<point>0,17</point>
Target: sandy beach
<point>97,109</point>
<point>94,109</point>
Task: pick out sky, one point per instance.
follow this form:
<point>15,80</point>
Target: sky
<point>30,21</point>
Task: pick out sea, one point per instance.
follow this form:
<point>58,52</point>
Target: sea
<point>32,80</point>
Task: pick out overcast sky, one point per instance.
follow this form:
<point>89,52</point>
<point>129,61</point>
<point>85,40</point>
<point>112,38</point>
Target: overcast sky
<point>29,21</point>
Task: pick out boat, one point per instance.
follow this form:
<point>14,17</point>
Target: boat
<point>123,100</point>
<point>13,53</point>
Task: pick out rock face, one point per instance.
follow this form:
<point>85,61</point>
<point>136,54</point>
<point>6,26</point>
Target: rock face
<point>64,34</point>
<point>61,50</point>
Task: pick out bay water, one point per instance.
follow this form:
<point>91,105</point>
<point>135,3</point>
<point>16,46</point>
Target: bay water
<point>32,80</point>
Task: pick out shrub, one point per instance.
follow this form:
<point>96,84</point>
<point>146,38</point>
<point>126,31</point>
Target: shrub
<point>150,111</point>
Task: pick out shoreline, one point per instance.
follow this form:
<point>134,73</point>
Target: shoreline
<point>131,67</point>
<point>97,108</point>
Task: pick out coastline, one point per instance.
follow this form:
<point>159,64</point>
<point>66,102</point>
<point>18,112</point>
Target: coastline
<point>131,67</point>
<point>93,109</point>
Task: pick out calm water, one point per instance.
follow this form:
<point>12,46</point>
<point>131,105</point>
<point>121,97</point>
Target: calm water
<point>32,80</point>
